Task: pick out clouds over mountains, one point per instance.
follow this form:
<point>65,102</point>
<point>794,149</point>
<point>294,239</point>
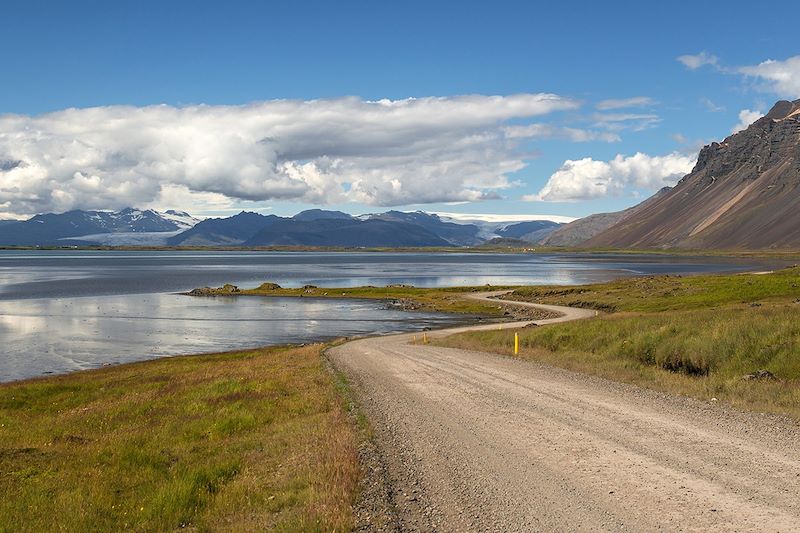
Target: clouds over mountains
<point>587,178</point>
<point>386,152</point>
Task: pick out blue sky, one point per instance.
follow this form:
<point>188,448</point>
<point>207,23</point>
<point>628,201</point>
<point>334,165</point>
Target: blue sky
<point>59,55</point>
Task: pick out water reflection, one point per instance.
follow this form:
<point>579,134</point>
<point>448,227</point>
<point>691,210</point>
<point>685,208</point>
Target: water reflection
<point>63,335</point>
<point>48,274</point>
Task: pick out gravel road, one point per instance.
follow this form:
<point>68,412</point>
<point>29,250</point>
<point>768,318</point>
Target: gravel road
<point>469,441</point>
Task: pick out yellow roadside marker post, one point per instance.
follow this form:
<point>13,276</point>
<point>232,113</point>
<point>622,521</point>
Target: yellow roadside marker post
<point>424,338</point>
<point>516,343</point>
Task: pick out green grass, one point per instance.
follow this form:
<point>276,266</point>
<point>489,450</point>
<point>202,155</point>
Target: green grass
<point>252,440</point>
<point>696,336</point>
<point>666,293</point>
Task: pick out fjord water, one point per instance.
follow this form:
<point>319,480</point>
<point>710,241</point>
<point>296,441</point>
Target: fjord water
<point>68,310</point>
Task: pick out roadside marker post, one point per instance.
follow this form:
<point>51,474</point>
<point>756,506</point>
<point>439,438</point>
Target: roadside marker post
<point>516,343</point>
<point>424,338</point>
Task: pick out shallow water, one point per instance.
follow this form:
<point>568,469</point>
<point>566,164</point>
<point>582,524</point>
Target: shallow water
<point>70,310</point>
<point>43,336</point>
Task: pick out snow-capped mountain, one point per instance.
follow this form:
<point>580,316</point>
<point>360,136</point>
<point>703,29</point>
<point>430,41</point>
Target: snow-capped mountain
<point>82,227</point>
<point>530,228</point>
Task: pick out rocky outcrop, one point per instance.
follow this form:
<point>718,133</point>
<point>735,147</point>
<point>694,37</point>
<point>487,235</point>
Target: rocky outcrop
<point>225,290</point>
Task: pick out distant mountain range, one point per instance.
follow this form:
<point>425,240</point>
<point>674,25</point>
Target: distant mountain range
<point>315,227</point>
<point>82,227</point>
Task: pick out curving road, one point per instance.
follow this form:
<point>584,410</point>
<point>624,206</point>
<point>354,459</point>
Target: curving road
<point>469,441</point>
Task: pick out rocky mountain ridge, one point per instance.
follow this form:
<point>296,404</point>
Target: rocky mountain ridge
<point>743,193</point>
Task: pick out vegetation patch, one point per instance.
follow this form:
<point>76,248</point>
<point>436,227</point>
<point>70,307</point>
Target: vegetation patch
<point>735,338</point>
<point>251,440</point>
<point>406,297</point>
<point>670,293</point>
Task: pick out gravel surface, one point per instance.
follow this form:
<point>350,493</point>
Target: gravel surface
<point>469,441</point>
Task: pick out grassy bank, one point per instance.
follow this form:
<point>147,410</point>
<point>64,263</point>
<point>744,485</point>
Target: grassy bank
<point>702,336</point>
<point>252,440</point>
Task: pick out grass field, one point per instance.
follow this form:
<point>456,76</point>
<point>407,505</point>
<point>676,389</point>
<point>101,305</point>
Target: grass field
<point>699,335</point>
<point>252,440</point>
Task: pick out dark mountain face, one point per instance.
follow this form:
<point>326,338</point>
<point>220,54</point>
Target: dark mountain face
<point>454,234</point>
<point>321,214</point>
<point>51,228</point>
<point>531,232</point>
<point>742,194</point>
<point>347,233</point>
<point>229,231</point>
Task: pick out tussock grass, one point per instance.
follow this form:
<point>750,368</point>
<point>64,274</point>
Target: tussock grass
<point>251,440</point>
<point>705,349</point>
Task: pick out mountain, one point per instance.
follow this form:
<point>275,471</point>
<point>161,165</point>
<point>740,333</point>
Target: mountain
<point>347,233</point>
<point>230,231</point>
<point>454,234</point>
<point>81,226</point>
<point>742,194</point>
<point>579,231</point>
<point>321,214</point>
<point>314,227</point>
<point>531,232</point>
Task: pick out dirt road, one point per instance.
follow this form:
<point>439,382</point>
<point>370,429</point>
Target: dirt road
<point>468,441</point>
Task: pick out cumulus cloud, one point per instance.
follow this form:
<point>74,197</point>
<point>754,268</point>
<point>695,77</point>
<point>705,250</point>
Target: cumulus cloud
<point>587,179</point>
<point>693,62</point>
<point>386,152</point>
<point>636,101</point>
<point>779,77</point>
<point>746,117</point>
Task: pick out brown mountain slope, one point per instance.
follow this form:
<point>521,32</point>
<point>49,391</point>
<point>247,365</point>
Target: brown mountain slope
<point>743,193</point>
<point>579,231</point>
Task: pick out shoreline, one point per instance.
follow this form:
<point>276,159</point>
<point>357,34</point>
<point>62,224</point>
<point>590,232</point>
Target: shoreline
<point>787,254</point>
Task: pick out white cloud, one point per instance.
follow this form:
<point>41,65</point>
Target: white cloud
<point>696,61</point>
<point>587,179</point>
<point>386,152</point>
<point>636,101</point>
<point>779,77</point>
<point>548,131</point>
<point>711,106</point>
<point>746,117</point>
<point>623,121</point>
<point>500,218</point>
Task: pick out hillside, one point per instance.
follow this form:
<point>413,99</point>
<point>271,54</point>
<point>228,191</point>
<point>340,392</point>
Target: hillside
<point>579,231</point>
<point>232,230</point>
<point>344,232</point>
<point>741,194</point>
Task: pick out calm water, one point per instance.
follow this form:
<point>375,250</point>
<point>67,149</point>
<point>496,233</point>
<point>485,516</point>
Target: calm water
<point>68,310</point>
